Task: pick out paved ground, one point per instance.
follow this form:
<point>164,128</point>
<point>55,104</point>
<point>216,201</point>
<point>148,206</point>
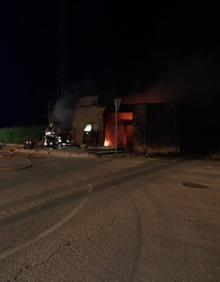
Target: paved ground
<point>111,220</point>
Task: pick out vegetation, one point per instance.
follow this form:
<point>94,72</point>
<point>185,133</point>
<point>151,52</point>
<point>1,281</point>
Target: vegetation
<point>17,135</point>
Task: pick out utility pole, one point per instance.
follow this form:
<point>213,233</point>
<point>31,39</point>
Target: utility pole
<point>61,41</point>
<point>117,103</point>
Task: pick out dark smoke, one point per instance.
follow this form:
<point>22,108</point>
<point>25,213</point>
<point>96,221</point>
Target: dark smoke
<point>194,80</point>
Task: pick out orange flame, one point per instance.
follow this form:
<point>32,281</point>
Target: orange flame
<point>107,143</point>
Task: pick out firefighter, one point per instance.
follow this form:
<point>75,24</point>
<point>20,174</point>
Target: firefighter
<point>49,135</point>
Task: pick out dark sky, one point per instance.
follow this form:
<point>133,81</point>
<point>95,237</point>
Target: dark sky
<point>109,49</point>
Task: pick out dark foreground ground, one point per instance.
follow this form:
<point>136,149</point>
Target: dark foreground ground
<point>111,220</point>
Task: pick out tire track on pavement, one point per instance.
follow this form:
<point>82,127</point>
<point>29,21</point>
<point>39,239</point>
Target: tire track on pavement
<point>63,198</point>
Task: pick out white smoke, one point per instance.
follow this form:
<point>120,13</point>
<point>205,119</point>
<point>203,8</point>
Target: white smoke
<point>63,110</point>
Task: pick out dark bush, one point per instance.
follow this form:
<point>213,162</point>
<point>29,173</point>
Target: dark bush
<point>17,135</point>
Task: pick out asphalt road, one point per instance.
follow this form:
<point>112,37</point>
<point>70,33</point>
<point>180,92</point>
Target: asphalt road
<point>111,220</point>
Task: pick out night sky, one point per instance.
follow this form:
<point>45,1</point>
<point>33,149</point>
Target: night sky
<point>106,49</point>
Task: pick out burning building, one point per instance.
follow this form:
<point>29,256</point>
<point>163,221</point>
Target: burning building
<point>157,120</point>
<point>179,112</point>
<point>142,125</point>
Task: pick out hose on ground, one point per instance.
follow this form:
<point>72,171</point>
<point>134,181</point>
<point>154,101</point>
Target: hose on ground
<point>9,155</point>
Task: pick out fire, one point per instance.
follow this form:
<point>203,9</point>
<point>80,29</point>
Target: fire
<point>107,143</point>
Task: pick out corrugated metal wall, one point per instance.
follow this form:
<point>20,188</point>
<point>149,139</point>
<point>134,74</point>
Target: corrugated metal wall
<point>155,127</point>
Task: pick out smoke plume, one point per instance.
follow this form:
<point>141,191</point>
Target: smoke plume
<point>63,110</point>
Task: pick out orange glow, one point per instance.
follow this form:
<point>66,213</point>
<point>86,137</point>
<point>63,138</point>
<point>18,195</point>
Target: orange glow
<point>154,95</point>
<point>107,143</point>
<point>125,116</point>
<point>125,129</point>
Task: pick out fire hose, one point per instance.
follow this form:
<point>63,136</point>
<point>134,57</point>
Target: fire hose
<point>7,166</point>
<point>6,154</point>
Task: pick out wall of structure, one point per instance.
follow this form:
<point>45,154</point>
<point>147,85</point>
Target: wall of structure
<point>87,112</point>
<point>156,128</point>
